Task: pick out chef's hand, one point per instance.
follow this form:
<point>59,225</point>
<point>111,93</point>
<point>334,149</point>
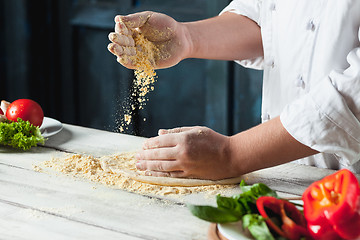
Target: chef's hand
<point>168,35</point>
<point>188,152</point>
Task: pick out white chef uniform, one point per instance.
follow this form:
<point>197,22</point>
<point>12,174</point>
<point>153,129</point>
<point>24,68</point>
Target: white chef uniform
<point>311,69</point>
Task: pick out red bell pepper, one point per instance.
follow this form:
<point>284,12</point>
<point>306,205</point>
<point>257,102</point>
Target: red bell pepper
<point>332,207</point>
<point>291,222</point>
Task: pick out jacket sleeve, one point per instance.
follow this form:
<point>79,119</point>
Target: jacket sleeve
<point>327,119</point>
<point>249,9</point>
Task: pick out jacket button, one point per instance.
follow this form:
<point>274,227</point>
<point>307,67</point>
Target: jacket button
<point>299,82</point>
<point>311,26</point>
<point>272,6</point>
<point>271,63</point>
<point>265,117</point>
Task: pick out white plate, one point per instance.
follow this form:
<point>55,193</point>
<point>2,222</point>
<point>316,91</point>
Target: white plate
<point>233,231</point>
<point>50,127</point>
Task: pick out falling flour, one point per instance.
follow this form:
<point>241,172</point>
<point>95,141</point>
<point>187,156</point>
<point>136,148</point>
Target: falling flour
<point>145,76</point>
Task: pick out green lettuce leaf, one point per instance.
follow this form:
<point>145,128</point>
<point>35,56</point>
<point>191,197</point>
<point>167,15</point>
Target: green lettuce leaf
<point>21,134</point>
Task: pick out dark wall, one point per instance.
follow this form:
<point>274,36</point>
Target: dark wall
<point>55,53</point>
<point>31,57</point>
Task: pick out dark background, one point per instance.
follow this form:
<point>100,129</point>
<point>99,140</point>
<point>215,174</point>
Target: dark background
<point>55,52</point>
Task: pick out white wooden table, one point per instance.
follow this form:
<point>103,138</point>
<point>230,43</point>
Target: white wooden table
<point>37,205</point>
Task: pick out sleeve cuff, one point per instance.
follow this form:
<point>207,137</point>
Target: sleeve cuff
<point>322,120</point>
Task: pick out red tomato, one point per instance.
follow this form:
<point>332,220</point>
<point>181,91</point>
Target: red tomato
<point>1,112</point>
<point>27,110</point>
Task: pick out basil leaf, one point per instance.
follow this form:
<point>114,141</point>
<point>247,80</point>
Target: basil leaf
<point>257,227</point>
<point>244,187</point>
<point>232,209</point>
<point>248,203</point>
<point>257,190</point>
<point>213,214</point>
<point>231,204</point>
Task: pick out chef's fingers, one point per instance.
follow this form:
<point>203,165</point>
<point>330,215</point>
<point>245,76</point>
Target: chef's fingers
<point>175,174</point>
<point>161,142</point>
<point>158,165</point>
<point>126,62</point>
<point>174,130</point>
<point>119,51</point>
<point>121,39</point>
<point>163,153</point>
<point>135,20</point>
<point>123,54</point>
<point>121,28</point>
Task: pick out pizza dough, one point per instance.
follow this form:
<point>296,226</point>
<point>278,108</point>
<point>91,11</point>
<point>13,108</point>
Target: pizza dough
<point>124,164</point>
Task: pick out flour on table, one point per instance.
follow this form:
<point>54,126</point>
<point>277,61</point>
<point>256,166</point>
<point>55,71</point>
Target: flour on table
<point>104,170</point>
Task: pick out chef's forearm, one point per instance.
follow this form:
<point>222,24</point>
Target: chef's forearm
<point>226,37</point>
<point>266,145</point>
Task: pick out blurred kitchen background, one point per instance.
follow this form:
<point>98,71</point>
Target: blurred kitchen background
<point>55,52</point>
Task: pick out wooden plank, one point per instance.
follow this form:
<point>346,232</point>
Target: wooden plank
<point>77,203</point>
<point>25,222</point>
<point>91,141</point>
<point>92,205</point>
<point>35,157</point>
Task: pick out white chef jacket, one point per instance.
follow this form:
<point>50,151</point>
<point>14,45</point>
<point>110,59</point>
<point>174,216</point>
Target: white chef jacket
<point>311,73</point>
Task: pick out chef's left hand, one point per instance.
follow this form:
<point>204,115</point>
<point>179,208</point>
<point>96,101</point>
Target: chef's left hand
<point>187,152</point>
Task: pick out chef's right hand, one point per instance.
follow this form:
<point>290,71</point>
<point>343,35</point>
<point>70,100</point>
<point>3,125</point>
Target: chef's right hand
<point>188,152</point>
<point>168,35</point>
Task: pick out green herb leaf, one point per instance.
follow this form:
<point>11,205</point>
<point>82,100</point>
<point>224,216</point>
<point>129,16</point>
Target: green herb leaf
<point>20,134</point>
<point>213,214</point>
<point>232,209</point>
<point>257,227</point>
<point>231,204</point>
<point>257,190</point>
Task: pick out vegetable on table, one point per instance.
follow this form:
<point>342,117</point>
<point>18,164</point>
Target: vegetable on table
<point>240,207</point>
<point>19,124</point>
<point>282,217</point>
<point>232,209</point>
<point>27,110</point>
<point>332,207</point>
<point>20,134</point>
<point>331,210</point>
